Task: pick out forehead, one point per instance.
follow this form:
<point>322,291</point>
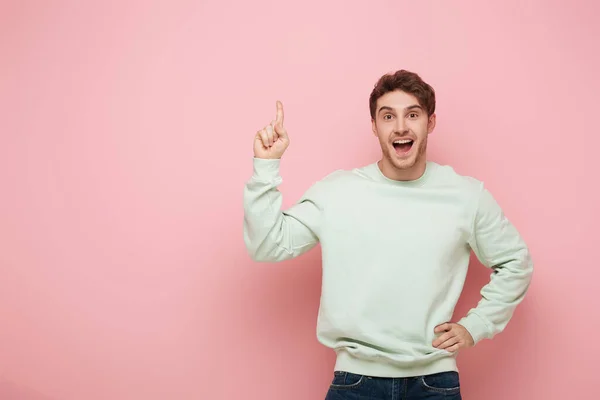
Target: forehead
<point>397,99</point>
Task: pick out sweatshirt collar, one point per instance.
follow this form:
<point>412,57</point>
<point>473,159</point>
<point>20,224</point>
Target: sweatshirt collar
<point>379,176</point>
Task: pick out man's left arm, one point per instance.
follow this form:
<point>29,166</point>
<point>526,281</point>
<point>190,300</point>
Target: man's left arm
<point>499,246</point>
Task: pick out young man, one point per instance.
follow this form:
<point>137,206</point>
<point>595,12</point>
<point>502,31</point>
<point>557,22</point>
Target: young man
<point>396,237</point>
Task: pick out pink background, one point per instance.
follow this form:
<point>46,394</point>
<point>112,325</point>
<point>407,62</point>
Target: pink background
<point>126,135</point>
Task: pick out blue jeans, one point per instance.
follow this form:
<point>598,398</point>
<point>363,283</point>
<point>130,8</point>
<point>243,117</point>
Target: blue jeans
<point>349,386</point>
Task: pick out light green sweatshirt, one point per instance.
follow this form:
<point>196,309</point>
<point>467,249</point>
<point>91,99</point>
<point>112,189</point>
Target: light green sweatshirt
<point>394,260</point>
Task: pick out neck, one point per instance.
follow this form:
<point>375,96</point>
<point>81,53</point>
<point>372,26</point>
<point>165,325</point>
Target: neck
<point>398,174</point>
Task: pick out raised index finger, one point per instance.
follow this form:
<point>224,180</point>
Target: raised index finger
<point>279,118</point>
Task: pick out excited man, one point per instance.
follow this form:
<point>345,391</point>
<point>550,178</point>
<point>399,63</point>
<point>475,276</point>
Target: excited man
<point>396,237</point>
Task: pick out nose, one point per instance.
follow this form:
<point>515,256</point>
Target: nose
<point>400,125</point>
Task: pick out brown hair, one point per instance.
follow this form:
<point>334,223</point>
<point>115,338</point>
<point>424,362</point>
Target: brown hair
<point>405,81</point>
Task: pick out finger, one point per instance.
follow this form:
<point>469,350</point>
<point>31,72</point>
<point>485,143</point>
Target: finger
<point>448,335</point>
<point>450,342</point>
<point>453,348</point>
<point>280,130</point>
<point>269,130</point>
<point>442,327</point>
<point>264,138</point>
<point>279,118</point>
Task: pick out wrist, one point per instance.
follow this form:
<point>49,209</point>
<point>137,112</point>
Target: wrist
<point>476,327</point>
<point>266,168</point>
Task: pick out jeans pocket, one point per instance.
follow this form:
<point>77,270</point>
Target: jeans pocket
<point>347,380</point>
<point>443,382</point>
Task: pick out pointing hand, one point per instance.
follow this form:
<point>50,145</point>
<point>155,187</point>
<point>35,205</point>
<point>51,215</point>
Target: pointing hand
<point>272,141</point>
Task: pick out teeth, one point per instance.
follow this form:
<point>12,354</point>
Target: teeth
<point>403,141</point>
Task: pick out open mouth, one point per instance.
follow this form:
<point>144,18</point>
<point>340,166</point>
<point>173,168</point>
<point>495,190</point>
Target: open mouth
<point>403,146</point>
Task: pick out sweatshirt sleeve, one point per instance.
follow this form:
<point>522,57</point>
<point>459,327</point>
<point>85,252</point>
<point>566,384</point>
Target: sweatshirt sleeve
<point>270,233</point>
<point>497,245</point>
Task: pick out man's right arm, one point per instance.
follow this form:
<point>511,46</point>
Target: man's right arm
<point>270,233</point>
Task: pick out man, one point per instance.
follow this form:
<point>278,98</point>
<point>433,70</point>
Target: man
<point>396,237</point>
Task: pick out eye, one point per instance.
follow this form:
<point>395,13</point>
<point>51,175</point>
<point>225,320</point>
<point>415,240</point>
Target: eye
<point>385,117</point>
<point>413,115</point>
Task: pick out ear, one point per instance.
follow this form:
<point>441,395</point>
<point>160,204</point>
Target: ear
<point>431,123</point>
<point>374,126</point>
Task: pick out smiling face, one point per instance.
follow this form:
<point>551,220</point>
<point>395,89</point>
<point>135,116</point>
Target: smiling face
<point>402,126</point>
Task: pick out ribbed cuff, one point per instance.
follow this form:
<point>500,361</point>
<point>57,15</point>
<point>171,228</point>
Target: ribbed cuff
<point>476,327</point>
<point>266,169</point>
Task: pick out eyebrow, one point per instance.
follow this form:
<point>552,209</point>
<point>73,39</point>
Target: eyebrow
<point>411,107</point>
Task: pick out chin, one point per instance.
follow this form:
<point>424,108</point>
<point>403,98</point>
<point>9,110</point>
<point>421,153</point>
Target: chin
<point>404,163</point>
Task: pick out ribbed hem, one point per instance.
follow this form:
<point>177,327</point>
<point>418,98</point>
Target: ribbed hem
<point>381,369</point>
<point>266,169</point>
<point>476,326</point>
